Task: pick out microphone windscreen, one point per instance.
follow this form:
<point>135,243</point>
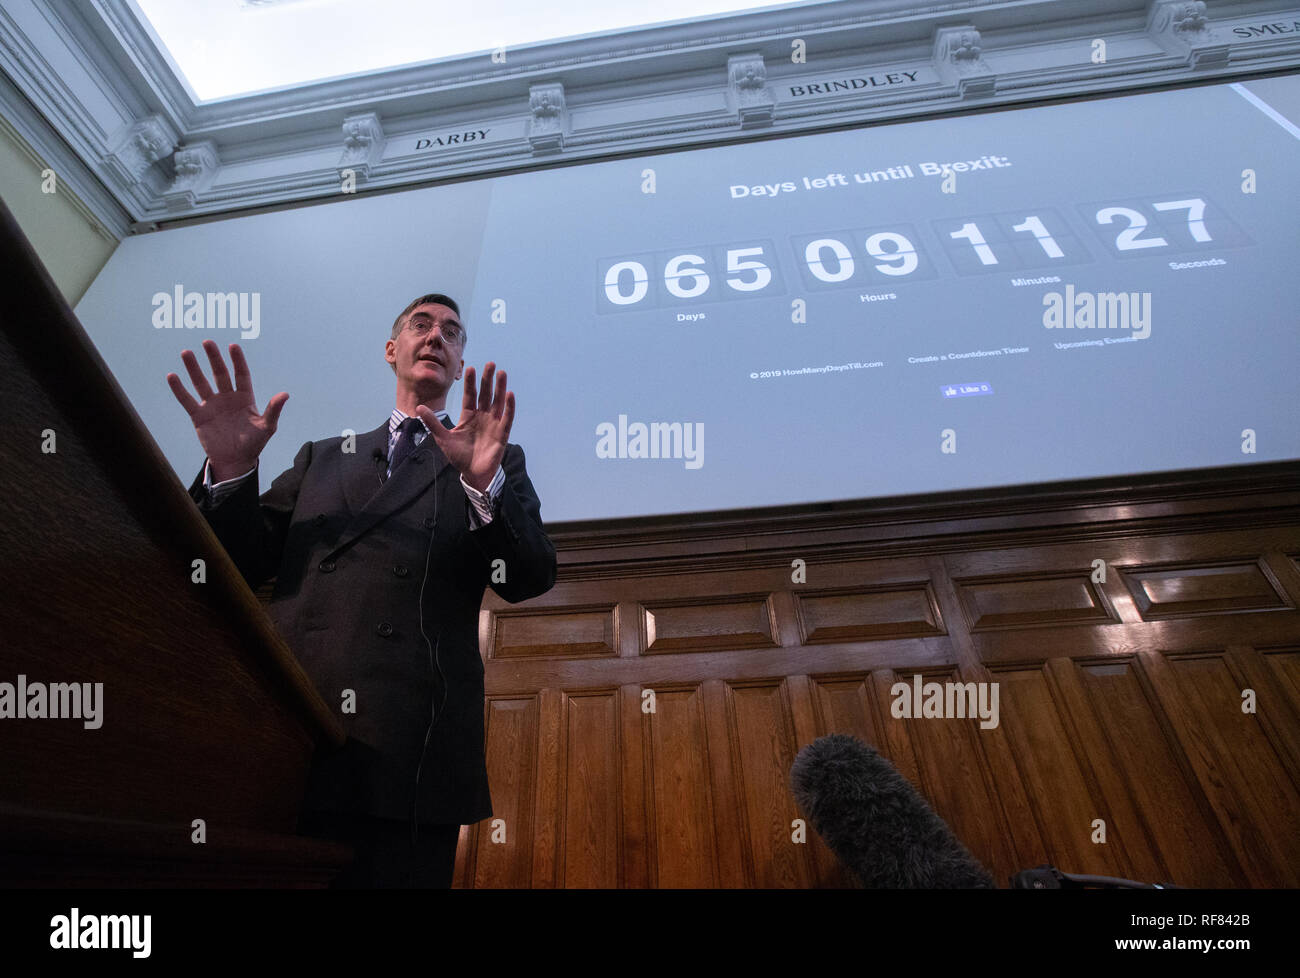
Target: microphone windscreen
<point>876,823</point>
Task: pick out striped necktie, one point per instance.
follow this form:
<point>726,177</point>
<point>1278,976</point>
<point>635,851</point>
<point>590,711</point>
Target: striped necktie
<point>405,443</point>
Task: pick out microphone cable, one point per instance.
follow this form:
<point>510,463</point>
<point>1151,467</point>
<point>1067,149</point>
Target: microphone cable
<point>435,669</point>
<point>435,672</point>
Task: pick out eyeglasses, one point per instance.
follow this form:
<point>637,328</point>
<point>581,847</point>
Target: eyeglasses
<point>451,333</point>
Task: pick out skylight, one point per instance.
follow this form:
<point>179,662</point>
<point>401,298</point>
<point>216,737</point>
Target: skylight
<point>224,48</point>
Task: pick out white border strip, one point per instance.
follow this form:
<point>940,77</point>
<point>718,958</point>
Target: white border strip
<point>1267,109</point>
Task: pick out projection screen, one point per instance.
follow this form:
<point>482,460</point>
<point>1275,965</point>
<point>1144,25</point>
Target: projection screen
<point>1094,288</point>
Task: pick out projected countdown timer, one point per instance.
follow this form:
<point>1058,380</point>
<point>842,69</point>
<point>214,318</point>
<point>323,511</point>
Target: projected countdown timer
<point>1038,239</point>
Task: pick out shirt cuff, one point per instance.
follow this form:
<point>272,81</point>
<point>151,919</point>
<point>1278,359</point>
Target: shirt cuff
<point>218,491</point>
<point>483,505</point>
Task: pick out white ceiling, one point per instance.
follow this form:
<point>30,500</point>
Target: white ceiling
<point>225,48</point>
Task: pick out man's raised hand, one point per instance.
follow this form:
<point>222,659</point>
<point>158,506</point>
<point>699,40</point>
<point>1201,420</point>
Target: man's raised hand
<point>477,444</point>
<point>230,430</point>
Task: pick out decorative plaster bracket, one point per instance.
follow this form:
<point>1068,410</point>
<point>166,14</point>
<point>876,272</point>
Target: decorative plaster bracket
<point>959,60</point>
<point>1182,29</point>
<point>550,117</point>
<point>139,146</point>
<point>747,93</point>
<point>363,144</point>
<point>196,168</point>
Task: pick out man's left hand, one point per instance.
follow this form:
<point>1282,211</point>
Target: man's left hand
<point>477,444</point>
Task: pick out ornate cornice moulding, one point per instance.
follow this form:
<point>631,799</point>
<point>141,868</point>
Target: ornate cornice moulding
<point>112,115</point>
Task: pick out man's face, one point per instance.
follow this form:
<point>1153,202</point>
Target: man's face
<point>427,364</point>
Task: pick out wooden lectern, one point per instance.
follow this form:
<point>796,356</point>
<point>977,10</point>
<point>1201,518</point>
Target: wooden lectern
<point>193,770</point>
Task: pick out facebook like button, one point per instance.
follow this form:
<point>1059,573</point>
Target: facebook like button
<point>967,390</point>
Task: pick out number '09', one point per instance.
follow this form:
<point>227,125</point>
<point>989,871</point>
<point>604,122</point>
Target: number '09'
<point>899,258</point>
<point>685,277</point>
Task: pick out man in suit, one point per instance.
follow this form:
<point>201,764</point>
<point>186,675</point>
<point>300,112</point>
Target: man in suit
<point>382,550</point>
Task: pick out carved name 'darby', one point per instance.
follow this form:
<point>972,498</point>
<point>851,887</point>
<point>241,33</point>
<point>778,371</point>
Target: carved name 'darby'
<point>452,139</point>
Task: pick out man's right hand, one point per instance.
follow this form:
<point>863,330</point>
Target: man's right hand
<point>229,428</point>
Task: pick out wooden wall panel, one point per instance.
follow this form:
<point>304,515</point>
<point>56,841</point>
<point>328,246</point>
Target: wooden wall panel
<point>591,800</point>
<point>704,625</point>
<point>548,802</point>
<point>512,752</point>
<point>563,632</point>
<point>1284,666</point>
<point>1239,768</point>
<point>844,706</point>
<point>635,789</point>
<point>1276,706</point>
<point>1025,601</point>
<point>1064,798</point>
<point>818,708</point>
<point>764,750</point>
<point>1186,590</point>
<point>1120,695</point>
<point>863,614</point>
<point>684,849</point>
<point>951,775</point>
<point>1151,772</point>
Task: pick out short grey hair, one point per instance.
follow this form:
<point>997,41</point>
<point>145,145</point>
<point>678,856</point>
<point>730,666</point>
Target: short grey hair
<point>435,297</point>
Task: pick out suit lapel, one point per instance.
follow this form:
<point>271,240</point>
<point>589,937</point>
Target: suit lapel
<point>371,502</point>
<point>361,471</point>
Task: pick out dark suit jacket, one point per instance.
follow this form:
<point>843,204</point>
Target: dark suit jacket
<point>350,555</point>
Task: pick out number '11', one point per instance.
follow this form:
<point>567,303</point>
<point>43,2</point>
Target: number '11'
<point>970,232</point>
